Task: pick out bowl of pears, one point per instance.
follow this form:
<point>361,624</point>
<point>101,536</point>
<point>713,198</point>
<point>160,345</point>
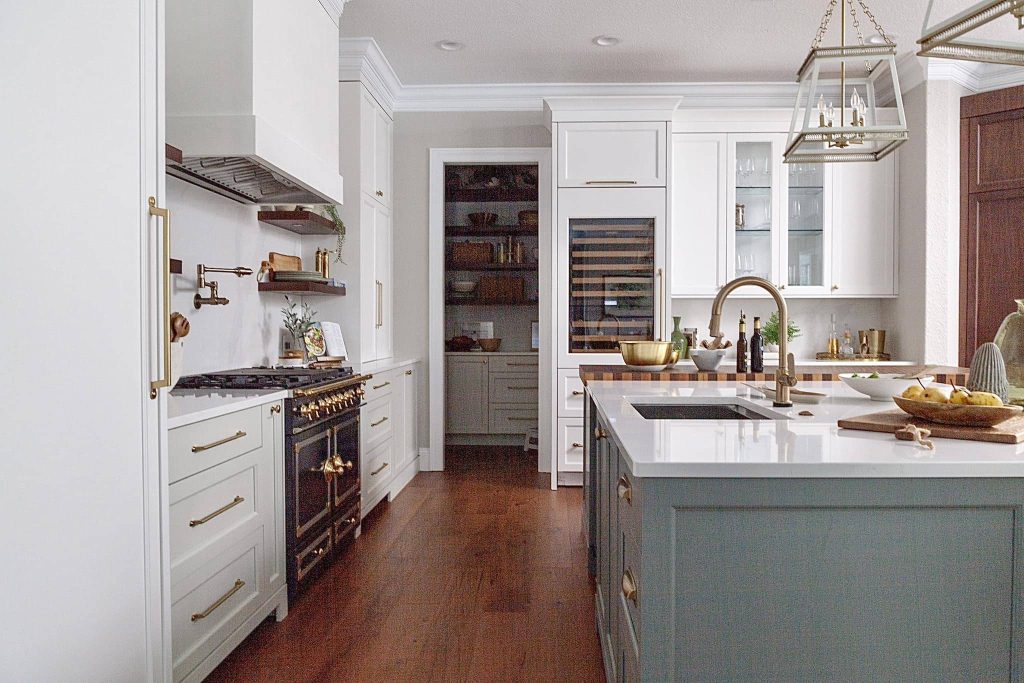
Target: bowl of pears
<point>960,407</point>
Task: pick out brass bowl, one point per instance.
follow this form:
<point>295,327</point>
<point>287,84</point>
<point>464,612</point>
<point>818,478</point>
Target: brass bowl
<point>489,345</point>
<point>648,355</point>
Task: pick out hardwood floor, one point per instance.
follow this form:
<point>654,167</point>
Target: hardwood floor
<point>477,573</point>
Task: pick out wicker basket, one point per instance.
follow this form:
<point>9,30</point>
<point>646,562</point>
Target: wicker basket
<point>494,289</point>
<point>471,253</point>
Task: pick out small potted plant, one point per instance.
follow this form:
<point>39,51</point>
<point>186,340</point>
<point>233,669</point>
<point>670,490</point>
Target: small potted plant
<point>770,332</point>
<point>298,320</point>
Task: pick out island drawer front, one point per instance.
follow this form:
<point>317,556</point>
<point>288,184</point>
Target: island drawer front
<point>528,365</point>
<point>571,391</point>
<point>378,386</point>
<point>516,389</point>
<point>630,578</point>
<point>195,447</point>
<point>512,419</point>
<point>214,601</point>
<point>628,491</point>
<point>629,650</point>
<point>375,423</point>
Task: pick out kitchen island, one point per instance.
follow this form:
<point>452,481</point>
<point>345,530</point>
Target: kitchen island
<point>786,549</point>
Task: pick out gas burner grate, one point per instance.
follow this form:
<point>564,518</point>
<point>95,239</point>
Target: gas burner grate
<point>263,378</point>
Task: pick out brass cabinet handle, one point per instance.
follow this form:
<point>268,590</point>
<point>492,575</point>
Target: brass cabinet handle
<point>379,470</point>
<point>219,511</point>
<point>380,193</point>
<point>219,442</point>
<point>381,386</point>
<point>835,288</point>
<point>600,433</point>
<point>629,586</point>
<point>276,408</point>
<point>220,601</point>
<point>625,489</point>
<point>611,182</point>
<point>379,422</point>
<point>165,380</point>
<point>576,444</point>
<point>576,392</point>
<point>523,388</point>
<point>522,365</point>
<point>408,372</point>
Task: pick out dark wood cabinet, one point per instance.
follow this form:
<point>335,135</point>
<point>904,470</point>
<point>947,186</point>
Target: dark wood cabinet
<point>991,213</point>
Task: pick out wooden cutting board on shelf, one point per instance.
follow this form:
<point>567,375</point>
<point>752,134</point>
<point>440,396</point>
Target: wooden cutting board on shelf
<point>284,262</point>
<point>891,421</point>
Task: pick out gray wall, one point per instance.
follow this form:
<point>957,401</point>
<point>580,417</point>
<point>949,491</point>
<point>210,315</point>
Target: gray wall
<point>415,134</point>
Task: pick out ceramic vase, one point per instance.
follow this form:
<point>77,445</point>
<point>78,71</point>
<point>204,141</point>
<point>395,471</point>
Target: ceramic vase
<point>680,342</point>
<point>1010,340</point>
<point>988,372</point>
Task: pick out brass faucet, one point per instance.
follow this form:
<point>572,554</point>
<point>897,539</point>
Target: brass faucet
<point>785,376</point>
<point>213,300</point>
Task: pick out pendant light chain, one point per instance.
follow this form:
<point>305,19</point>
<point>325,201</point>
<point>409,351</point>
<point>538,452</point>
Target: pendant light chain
<point>874,22</point>
<point>823,27</point>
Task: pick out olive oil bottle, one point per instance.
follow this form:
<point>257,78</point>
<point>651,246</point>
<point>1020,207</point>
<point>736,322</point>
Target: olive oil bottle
<point>741,345</point>
<point>757,347</point>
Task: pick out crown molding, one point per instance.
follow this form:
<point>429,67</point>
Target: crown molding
<point>361,59</point>
<point>334,9</point>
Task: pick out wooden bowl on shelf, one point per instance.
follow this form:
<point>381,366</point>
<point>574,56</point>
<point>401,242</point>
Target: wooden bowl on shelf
<point>483,219</point>
<point>489,345</point>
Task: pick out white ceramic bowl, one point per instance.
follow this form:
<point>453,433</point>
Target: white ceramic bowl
<point>883,387</point>
<point>707,360</point>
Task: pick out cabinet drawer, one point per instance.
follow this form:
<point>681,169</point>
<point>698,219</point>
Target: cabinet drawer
<point>199,446</point>
<point>378,470</point>
<point>378,386</point>
<point>312,556</point>
<point>345,527</point>
<point>628,492</point>
<point>214,507</point>
<point>620,154</point>
<point>513,388</point>
<point>375,423</point>
<point>211,603</point>
<point>630,581</point>
<point>512,419</point>
<point>629,651</point>
<point>570,445</point>
<point>571,393</point>
<point>519,364</point>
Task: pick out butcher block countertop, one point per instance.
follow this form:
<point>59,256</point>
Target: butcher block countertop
<point>805,373</point>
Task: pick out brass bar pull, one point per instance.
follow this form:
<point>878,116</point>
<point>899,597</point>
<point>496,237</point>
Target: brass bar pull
<point>220,601</point>
<point>379,470</point>
<point>576,444</point>
<point>165,380</point>
<point>629,586</point>
<point>611,182</point>
<point>524,388</point>
<point>576,392</point>
<point>381,386</point>
<point>379,422</point>
<point>219,511</point>
<point>522,365</point>
<point>219,442</point>
<point>625,489</point>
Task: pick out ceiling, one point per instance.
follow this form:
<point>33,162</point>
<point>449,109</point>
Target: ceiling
<point>549,41</point>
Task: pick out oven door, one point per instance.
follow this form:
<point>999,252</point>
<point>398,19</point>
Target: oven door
<point>311,498</point>
<point>345,436</point>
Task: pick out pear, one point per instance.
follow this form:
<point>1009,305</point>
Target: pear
<point>984,398</point>
<point>934,395</point>
<point>914,392</point>
<point>960,397</point>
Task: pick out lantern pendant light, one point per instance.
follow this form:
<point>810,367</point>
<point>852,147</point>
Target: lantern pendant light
<point>840,113</point>
<point>942,41</point>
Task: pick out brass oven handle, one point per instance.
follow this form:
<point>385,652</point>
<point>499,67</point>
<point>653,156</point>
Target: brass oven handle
<point>378,470</point>
<point>379,422</point>
<point>219,442</point>
<point>381,386</point>
<point>220,601</point>
<point>629,586</point>
<point>625,489</point>
<point>219,511</point>
<point>165,380</point>
<point>341,465</point>
<point>576,392</point>
<point>611,182</point>
<point>577,444</point>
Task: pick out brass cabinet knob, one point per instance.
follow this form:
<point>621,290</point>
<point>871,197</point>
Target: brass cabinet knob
<point>276,408</point>
<point>625,489</point>
<point>577,392</point>
<point>600,433</point>
<point>577,444</point>
<point>629,587</point>
<point>380,193</point>
<point>835,288</point>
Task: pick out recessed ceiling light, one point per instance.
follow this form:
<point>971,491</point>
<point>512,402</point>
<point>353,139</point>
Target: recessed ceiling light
<point>450,45</point>
<point>606,41</point>
<point>877,39</point>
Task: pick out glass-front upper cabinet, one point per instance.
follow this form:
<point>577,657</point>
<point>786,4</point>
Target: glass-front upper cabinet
<point>611,276</point>
<point>807,254</point>
<point>755,168</point>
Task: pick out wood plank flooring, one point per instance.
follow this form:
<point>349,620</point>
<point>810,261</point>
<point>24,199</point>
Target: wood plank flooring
<point>477,573</point>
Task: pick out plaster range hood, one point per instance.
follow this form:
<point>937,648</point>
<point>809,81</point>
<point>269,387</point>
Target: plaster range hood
<point>252,99</point>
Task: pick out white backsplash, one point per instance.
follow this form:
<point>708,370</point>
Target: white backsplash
<point>213,230</point>
<point>813,316</point>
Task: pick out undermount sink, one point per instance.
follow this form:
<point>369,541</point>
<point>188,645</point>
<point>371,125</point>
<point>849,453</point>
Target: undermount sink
<point>704,411</point>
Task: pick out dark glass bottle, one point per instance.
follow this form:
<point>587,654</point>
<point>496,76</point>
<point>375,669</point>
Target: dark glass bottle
<point>741,345</point>
<point>757,348</point>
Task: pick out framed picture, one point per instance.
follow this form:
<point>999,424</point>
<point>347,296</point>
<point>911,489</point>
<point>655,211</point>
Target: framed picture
<point>535,336</point>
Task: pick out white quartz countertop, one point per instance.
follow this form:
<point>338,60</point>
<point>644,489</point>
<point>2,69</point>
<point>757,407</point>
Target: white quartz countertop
<point>385,365</point>
<point>799,447</point>
<point>185,406</point>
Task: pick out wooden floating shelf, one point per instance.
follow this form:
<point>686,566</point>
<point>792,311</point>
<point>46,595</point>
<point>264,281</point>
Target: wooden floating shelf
<point>492,266</point>
<point>638,267</point>
<point>491,194</point>
<point>489,231</point>
<point>302,288</point>
<point>299,222</point>
<point>613,254</point>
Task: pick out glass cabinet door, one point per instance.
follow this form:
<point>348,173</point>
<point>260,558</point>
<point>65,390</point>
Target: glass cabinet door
<point>806,251</point>
<point>756,191</point>
<point>612,288</point>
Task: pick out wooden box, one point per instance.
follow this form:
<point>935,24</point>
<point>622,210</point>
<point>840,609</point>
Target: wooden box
<point>495,289</point>
<point>471,253</point>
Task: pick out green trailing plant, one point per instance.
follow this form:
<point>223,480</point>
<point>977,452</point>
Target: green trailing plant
<point>330,211</point>
<point>298,320</point>
<point>770,331</point>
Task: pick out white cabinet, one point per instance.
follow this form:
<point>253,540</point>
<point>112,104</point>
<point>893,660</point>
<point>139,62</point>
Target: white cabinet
<point>383,283</point>
<point>865,241</point>
<point>466,390</point>
<point>408,447</point>
<point>570,444</point>
<point>226,527</point>
<point>601,154</point>
<point>387,434</point>
<point>375,141</point>
<point>700,215</point>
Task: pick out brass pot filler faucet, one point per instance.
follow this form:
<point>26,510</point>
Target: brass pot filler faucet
<point>213,300</point>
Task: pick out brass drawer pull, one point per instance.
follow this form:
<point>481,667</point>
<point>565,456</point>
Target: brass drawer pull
<point>379,422</point>
<point>576,392</point>
<point>276,408</point>
<point>576,444</point>
<point>220,442</point>
<point>219,511</point>
<point>629,586</point>
<point>611,182</point>
<point>625,489</point>
<point>525,388</point>
<point>521,365</point>
<point>220,601</point>
<point>381,386</point>
<point>408,372</point>
<point>378,470</point>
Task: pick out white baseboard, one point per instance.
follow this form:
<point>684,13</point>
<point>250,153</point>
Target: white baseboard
<point>425,459</point>
<point>570,479</point>
<point>485,440</point>
<point>403,477</point>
